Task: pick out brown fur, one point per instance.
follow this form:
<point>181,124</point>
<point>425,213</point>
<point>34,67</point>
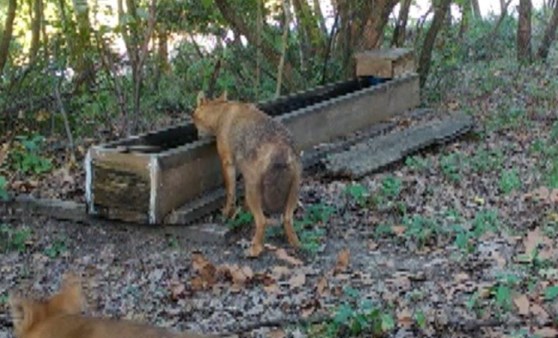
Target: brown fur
<point>60,317</point>
<point>264,151</point>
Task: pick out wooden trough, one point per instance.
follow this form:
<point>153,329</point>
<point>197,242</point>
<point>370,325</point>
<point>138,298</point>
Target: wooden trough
<point>145,178</point>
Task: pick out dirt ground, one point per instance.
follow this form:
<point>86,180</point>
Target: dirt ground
<point>458,241</point>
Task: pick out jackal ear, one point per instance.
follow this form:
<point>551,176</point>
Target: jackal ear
<point>223,96</point>
<point>200,99</point>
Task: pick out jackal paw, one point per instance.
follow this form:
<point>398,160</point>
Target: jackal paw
<point>294,241</point>
<point>254,251</point>
<point>228,212</point>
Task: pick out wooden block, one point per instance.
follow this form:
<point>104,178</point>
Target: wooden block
<point>385,63</point>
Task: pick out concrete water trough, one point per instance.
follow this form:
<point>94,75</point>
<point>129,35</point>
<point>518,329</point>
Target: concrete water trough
<point>147,178</point>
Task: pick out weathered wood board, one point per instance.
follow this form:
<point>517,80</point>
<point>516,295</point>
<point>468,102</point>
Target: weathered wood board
<point>390,63</point>
<point>144,178</point>
<point>373,154</point>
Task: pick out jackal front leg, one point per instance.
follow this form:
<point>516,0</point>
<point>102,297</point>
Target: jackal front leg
<point>229,176</point>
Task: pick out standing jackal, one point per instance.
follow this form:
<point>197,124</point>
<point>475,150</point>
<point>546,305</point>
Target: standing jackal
<point>264,151</point>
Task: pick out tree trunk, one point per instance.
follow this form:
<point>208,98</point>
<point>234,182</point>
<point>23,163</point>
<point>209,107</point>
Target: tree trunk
<point>313,38</point>
<point>524,31</point>
<point>163,49</point>
<point>503,5</point>
<point>7,34</point>
<point>84,63</point>
<point>320,16</point>
<point>376,17</point>
<point>465,16</point>
<point>241,27</point>
<point>549,34</point>
<point>36,19</point>
<point>137,48</point>
<point>284,41</point>
<point>430,39</point>
<point>399,33</point>
<point>476,9</point>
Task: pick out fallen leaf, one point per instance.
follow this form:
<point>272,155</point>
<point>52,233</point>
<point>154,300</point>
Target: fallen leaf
<point>280,271</point>
<point>342,261</point>
<point>283,255</point>
<point>297,280</point>
<point>546,332</point>
<point>539,312</point>
<point>405,318</point>
<point>321,286</point>
<point>3,152</point>
<point>239,275</point>
<point>277,333</point>
<point>272,289</point>
<point>205,270</point>
<point>398,229</point>
<point>522,304</point>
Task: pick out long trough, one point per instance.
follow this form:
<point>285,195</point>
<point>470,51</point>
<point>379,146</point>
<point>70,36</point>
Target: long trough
<point>148,177</point>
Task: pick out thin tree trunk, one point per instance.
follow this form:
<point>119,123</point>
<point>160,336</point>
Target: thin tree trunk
<point>137,52</point>
<point>476,9</point>
<point>313,38</point>
<point>430,39</point>
<point>503,15</point>
<point>320,16</point>
<point>7,34</point>
<point>268,51</point>
<point>84,63</point>
<point>376,19</point>
<point>549,34</point>
<point>465,17</point>
<point>284,39</point>
<point>259,24</point>
<point>36,19</point>
<point>524,31</point>
<point>163,49</point>
<point>399,33</point>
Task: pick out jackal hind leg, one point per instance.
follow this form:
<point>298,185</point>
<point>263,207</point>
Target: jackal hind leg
<point>254,203</point>
<point>290,207</point>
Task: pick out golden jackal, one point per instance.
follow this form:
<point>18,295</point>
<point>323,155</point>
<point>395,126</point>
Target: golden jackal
<point>264,151</point>
<point>60,317</point>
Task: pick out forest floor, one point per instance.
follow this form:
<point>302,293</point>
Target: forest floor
<point>457,241</point>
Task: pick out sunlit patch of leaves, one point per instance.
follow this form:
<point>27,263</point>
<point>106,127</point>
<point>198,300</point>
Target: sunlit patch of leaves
<point>56,248</point>
<point>449,164</point>
<point>355,316</point>
<point>310,228</point>
<point>509,181</point>
<point>358,193</point>
<point>241,219</point>
<point>25,155</point>
<point>13,239</point>
<point>417,163</point>
<point>3,189</point>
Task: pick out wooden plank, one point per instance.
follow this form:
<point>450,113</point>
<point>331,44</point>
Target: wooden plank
<point>373,154</point>
<point>351,112</point>
<point>390,63</point>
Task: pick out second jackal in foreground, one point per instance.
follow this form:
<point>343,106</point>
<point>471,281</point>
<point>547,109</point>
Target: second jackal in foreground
<point>264,151</point>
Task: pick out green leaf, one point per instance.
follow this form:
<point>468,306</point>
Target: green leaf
<point>387,322</point>
<point>551,292</point>
<point>420,319</point>
<point>503,297</point>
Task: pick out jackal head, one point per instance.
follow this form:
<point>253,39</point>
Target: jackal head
<point>26,313</point>
<point>205,116</point>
